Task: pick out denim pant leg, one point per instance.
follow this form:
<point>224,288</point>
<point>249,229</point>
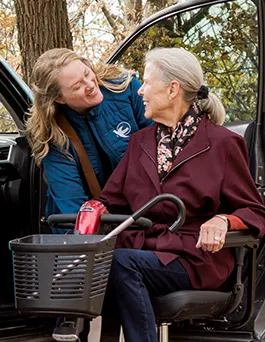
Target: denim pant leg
<point>111,323</point>
<point>136,276</point>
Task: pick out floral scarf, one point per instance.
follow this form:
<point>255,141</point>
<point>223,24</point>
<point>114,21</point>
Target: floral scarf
<point>169,143</point>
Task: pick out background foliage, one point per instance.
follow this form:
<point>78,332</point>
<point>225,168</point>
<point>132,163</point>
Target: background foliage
<point>223,36</point>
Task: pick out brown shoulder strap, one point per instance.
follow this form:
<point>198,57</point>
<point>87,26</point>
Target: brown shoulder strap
<point>89,173</point>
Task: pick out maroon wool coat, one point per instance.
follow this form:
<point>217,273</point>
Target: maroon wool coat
<point>210,175</point>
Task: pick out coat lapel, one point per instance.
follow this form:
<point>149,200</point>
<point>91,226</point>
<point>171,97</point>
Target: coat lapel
<point>198,144</point>
<point>148,157</point>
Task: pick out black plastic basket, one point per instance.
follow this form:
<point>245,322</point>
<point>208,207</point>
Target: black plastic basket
<point>61,274</point>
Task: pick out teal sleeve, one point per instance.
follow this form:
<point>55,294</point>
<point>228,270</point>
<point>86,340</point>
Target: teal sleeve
<point>65,186</point>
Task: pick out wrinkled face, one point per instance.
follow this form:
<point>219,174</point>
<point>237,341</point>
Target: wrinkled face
<point>155,93</point>
<point>79,87</point>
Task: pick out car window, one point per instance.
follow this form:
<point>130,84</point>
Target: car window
<point>225,38</point>
<point>7,124</point>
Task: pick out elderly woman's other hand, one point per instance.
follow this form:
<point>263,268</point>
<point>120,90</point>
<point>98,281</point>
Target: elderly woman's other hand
<point>212,234</point>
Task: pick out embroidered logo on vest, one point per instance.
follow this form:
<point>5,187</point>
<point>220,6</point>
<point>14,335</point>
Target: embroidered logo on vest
<point>123,129</point>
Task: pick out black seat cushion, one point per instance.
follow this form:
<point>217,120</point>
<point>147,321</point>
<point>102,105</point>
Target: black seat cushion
<point>182,305</point>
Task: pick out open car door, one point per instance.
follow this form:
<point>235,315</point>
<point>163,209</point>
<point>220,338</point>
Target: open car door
<point>20,191</point>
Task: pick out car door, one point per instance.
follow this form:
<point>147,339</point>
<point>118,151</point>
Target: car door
<point>20,181</point>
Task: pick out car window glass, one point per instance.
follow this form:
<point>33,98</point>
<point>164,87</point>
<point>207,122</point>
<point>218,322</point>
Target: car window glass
<point>225,39</point>
<point>7,124</point>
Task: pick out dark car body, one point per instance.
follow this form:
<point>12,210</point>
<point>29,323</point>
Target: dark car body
<point>234,69</point>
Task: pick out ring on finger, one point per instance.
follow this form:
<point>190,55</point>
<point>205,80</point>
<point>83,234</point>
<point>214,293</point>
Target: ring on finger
<point>217,238</point>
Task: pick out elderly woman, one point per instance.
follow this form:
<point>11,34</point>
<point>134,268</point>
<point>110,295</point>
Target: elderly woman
<point>187,153</point>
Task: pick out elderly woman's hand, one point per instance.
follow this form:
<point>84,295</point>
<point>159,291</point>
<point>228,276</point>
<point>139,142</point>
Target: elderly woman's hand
<point>212,235</point>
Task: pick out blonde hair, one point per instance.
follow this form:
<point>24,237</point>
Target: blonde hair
<point>41,126</point>
<point>181,65</point>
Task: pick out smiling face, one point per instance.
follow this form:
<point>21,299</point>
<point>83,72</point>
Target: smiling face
<point>155,93</point>
<point>79,87</point>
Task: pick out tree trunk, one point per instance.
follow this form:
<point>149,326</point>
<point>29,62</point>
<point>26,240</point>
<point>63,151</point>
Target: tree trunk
<point>42,25</point>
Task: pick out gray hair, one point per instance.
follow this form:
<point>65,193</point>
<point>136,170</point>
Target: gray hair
<point>181,65</point>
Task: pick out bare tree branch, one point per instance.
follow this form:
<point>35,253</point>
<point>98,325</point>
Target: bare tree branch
<point>107,13</point>
<point>189,24</point>
<point>138,11</point>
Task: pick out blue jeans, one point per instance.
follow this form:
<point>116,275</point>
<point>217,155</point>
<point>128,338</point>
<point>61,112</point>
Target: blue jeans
<point>135,277</point>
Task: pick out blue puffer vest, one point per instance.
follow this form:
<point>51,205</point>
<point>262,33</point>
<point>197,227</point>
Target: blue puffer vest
<point>105,132</point>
